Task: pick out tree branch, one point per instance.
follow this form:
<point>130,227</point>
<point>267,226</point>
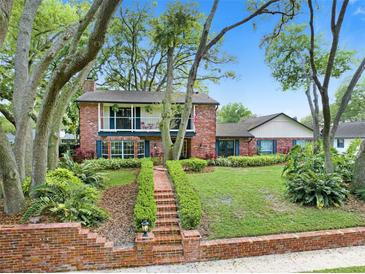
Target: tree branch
<point>5,11</point>
<point>347,97</point>
<point>7,114</point>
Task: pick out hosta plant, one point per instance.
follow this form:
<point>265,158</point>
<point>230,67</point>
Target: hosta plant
<point>310,188</point>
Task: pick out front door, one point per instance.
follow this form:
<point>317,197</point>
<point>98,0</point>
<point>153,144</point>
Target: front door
<point>124,118</point>
<point>225,148</point>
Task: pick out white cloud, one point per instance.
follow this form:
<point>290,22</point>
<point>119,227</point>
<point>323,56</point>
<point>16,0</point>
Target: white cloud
<point>359,10</point>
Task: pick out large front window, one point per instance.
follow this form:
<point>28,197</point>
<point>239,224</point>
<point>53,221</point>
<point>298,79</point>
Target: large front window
<point>226,148</point>
<point>266,147</point>
<point>122,149</point>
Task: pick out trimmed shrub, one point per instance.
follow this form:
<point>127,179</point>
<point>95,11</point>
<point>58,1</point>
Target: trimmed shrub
<point>194,164</point>
<point>145,207</point>
<point>316,189</point>
<point>116,163</point>
<point>190,210</point>
<point>59,176</point>
<point>249,161</point>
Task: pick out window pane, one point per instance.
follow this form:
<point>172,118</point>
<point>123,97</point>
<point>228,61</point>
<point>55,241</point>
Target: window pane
<point>340,143</point>
<point>117,149</point>
<point>140,149</point>
<point>301,143</point>
<point>267,147</point>
<point>128,149</point>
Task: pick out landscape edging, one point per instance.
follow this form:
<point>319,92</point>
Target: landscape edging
<point>69,247</point>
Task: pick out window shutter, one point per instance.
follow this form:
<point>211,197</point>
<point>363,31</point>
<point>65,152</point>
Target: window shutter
<point>274,146</point>
<point>147,148</point>
<point>237,147</point>
<point>216,147</point>
<point>111,118</point>
<point>98,148</point>
<point>258,146</point>
<point>294,142</point>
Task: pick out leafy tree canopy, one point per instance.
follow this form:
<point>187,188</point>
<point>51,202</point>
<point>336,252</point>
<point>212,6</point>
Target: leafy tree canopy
<point>233,113</point>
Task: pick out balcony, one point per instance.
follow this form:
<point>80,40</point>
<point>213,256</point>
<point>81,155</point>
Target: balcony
<point>146,124</point>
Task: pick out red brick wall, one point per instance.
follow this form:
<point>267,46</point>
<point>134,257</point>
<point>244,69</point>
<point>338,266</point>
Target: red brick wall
<point>247,147</point>
<point>88,126</point>
<point>203,143</point>
<point>68,247</point>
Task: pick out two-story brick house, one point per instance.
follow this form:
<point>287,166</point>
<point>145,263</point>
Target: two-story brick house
<point>126,123</point>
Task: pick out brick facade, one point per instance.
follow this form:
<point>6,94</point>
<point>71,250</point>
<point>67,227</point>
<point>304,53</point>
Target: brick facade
<point>68,247</point>
<point>88,126</point>
<point>203,143</point>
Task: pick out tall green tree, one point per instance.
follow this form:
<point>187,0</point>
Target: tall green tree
<point>172,32</point>
<point>337,16</point>
<point>77,51</point>
<point>233,113</point>
<point>288,57</point>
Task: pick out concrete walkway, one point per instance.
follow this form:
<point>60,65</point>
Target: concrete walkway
<point>291,262</point>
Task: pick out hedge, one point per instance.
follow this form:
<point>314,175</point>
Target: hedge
<point>194,164</point>
<point>116,163</point>
<point>145,207</point>
<point>249,161</point>
<point>190,211</point>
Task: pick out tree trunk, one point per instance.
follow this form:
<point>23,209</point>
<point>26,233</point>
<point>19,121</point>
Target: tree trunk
<point>5,12</point>
<point>358,181</point>
<point>11,184</point>
<point>28,153</point>
<point>63,101</point>
<point>166,108</point>
<point>53,148</point>
<point>327,145</point>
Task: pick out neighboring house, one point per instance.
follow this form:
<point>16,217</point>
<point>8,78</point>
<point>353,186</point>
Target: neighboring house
<point>348,132</point>
<point>126,123</point>
<point>276,133</point>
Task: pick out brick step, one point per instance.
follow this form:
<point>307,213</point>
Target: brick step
<point>84,231</point>
<point>168,239</point>
<point>100,240</point>
<point>163,191</point>
<point>109,244</point>
<point>166,230</point>
<point>167,221</point>
<point>92,235</point>
<point>165,201</point>
<point>169,259</point>
<point>164,196</point>
<point>167,214</point>
<point>168,207</point>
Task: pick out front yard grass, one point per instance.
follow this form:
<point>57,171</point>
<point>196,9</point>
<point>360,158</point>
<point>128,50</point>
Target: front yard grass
<point>118,177</point>
<point>251,201</point>
<point>351,269</point>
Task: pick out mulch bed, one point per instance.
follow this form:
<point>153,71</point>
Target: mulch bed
<point>8,219</point>
<point>119,202</point>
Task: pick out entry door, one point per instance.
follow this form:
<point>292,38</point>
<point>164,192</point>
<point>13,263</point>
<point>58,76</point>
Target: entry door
<point>124,118</point>
<point>226,148</point>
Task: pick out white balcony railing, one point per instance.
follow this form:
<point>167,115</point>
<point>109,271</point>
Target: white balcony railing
<point>114,123</point>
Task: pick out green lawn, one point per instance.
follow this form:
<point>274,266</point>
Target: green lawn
<point>352,269</point>
<point>118,177</point>
<point>251,201</point>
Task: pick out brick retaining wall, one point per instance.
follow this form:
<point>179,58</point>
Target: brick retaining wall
<point>66,247</point>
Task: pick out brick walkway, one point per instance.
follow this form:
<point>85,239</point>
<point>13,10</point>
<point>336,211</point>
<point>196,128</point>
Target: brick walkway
<point>167,230</point>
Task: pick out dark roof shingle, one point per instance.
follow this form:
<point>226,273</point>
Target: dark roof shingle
<point>140,97</point>
<point>351,130</point>
<point>232,130</point>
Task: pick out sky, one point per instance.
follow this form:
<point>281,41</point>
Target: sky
<point>255,87</point>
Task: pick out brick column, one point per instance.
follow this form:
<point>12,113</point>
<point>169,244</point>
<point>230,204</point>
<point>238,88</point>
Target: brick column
<point>191,244</point>
<point>135,149</point>
<point>144,247</point>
